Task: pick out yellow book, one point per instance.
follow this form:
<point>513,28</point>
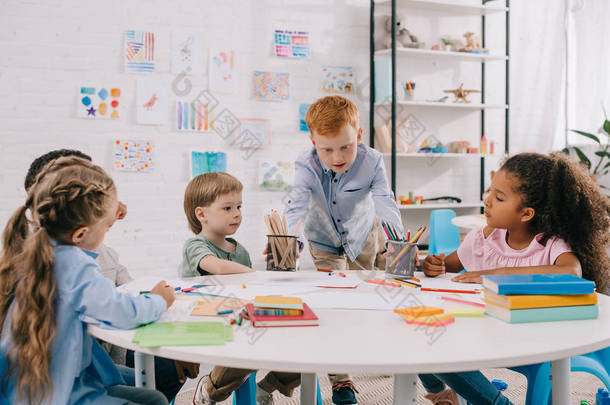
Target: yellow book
<point>419,311</point>
<point>538,301</point>
<point>264,301</point>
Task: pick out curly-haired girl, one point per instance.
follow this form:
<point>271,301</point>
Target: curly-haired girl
<point>49,281</point>
<point>545,214</point>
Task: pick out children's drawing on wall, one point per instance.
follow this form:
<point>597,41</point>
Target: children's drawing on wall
<point>253,133</point>
<point>271,86</point>
<point>206,162</point>
<point>133,156</point>
<point>187,56</point>
<point>139,51</point>
<point>276,176</point>
<point>194,116</point>
<point>302,112</point>
<point>221,71</point>
<point>338,79</point>
<point>291,44</point>
<point>98,103</point>
<point>152,101</point>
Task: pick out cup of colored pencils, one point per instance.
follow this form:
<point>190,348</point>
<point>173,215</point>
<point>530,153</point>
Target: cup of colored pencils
<point>281,245</point>
<point>401,254</point>
<point>410,91</point>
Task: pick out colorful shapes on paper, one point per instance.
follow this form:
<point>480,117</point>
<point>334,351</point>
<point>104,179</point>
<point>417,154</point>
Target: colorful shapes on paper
<point>115,93</point>
<point>98,103</point>
<point>139,51</point>
<point>133,156</point>
<point>87,90</point>
<point>292,44</point>
<point>194,116</point>
<point>86,101</point>
<point>102,94</point>
<point>91,111</point>
<point>271,86</point>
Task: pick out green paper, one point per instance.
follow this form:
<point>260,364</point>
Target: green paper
<point>183,334</point>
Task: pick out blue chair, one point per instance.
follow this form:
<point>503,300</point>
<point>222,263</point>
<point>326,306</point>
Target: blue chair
<point>539,375</point>
<point>246,394</point>
<point>444,236</point>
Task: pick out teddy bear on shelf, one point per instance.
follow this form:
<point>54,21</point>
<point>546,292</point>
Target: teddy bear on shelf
<point>404,39</point>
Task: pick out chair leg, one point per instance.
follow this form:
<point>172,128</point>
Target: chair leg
<point>590,364</point>
<point>246,393</point>
<point>538,382</point>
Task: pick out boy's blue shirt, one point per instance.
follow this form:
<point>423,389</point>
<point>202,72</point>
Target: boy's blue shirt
<point>80,368</point>
<point>340,209</point>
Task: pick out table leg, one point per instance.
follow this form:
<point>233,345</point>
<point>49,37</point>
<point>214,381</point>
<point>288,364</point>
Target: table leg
<point>309,389</point>
<point>560,378</point>
<point>144,367</point>
<point>405,389</point>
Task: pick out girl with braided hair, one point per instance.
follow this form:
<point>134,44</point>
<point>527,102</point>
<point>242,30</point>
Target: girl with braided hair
<point>545,214</point>
<point>49,281</point>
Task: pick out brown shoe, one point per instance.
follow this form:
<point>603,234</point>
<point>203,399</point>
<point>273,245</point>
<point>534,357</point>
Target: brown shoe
<point>446,397</point>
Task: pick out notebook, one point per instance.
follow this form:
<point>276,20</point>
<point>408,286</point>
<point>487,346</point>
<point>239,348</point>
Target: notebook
<point>183,334</point>
<point>538,284</point>
<point>307,319</point>
<point>543,314</point>
<point>538,301</point>
<point>212,305</point>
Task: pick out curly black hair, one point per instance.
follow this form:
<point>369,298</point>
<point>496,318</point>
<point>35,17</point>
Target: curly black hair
<point>569,204</point>
<point>41,161</point>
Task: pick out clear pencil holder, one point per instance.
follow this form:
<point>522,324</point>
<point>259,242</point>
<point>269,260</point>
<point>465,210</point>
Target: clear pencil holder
<point>400,258</point>
<point>282,252</point>
<point>409,95</point>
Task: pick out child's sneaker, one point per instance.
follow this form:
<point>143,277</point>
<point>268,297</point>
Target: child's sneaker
<point>446,397</point>
<point>201,396</point>
<point>263,397</point>
<point>343,393</point>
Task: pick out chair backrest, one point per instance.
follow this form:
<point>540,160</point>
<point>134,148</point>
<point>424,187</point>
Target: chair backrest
<point>444,236</point>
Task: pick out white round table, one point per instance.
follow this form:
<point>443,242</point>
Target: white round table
<point>357,341</point>
<point>469,221</point>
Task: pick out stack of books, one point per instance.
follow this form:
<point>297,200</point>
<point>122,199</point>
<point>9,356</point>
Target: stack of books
<point>271,311</point>
<point>524,298</point>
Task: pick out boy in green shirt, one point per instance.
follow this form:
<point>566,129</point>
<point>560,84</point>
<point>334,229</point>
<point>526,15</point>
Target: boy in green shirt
<point>212,204</point>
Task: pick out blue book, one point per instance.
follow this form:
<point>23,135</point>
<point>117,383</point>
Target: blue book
<point>542,314</point>
<point>538,284</point>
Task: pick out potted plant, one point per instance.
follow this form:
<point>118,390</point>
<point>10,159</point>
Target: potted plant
<point>602,166</point>
<point>447,43</point>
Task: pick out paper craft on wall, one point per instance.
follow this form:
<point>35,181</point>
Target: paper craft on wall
<point>271,86</point>
<point>151,101</point>
<point>139,51</point>
<point>292,44</point>
<point>276,176</point>
<point>187,55</point>
<point>221,71</point>
<point>337,79</point>
<point>99,103</point>
<point>302,112</point>
<point>253,133</point>
<point>207,162</point>
<point>133,156</point>
<point>194,116</point>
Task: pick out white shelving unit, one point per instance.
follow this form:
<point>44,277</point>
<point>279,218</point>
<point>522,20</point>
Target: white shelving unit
<point>433,9</point>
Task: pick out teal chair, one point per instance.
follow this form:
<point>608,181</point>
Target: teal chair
<point>539,375</point>
<point>246,394</point>
<point>444,236</point>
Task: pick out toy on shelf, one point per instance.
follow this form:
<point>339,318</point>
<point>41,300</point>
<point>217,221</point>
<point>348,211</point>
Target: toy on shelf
<point>473,44</point>
<point>447,44</point>
<point>461,94</point>
<point>459,147</point>
<point>437,148</point>
<point>404,39</point>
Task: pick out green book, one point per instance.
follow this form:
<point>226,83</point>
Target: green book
<point>183,334</point>
<point>542,314</point>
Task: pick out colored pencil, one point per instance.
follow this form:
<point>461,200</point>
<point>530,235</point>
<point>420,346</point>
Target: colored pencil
<point>449,290</point>
<point>478,304</point>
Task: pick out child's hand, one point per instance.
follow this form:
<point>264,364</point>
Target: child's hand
<point>165,291</point>
<point>434,265</point>
<point>469,277</point>
<point>185,369</point>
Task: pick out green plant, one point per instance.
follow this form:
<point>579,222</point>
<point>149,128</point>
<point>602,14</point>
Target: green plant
<point>602,166</point>
<point>446,41</point>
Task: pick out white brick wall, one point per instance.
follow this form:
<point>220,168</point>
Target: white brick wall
<point>49,48</point>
